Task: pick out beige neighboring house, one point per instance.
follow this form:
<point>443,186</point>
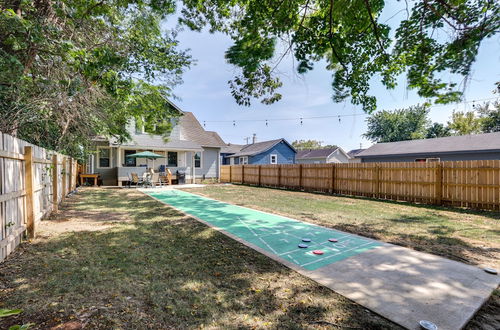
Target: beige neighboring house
<point>322,156</point>
<point>190,149</point>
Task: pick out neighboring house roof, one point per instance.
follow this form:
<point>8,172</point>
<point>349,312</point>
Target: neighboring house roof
<point>192,130</point>
<point>354,152</point>
<point>452,144</point>
<point>259,147</point>
<point>315,153</point>
<point>232,148</point>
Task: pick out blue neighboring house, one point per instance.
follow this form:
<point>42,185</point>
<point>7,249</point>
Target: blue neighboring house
<point>259,153</point>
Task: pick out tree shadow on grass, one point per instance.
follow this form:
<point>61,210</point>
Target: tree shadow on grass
<point>162,270</point>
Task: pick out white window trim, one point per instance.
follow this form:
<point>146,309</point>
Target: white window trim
<point>243,160</point>
<point>201,160</point>
<point>99,157</point>
<point>271,158</point>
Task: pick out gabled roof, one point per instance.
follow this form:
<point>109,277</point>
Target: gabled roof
<point>192,130</point>
<point>450,144</point>
<point>259,147</point>
<point>232,148</point>
<point>354,152</point>
<point>315,153</point>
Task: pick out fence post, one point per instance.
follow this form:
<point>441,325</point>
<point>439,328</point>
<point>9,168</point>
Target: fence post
<point>54,183</point>
<point>28,186</point>
<point>64,179</point>
<point>230,173</point>
<point>333,178</point>
<point>242,174</point>
<point>260,166</point>
<point>279,175</point>
<point>439,183</point>
<point>71,174</point>
<point>377,182</point>
<point>300,176</point>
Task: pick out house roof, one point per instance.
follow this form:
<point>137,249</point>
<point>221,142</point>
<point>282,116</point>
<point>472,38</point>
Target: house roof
<point>315,153</point>
<point>354,152</point>
<point>146,141</point>
<point>259,147</point>
<point>450,144</point>
<point>192,130</point>
<point>232,148</point>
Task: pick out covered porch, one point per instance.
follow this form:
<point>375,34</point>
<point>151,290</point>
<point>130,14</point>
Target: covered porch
<point>177,161</point>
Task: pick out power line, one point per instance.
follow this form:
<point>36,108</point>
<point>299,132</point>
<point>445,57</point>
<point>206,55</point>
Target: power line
<point>301,119</point>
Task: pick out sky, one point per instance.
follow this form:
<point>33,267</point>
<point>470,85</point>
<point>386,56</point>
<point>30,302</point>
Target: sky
<point>205,92</point>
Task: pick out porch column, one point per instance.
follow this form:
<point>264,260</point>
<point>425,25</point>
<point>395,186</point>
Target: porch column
<point>193,170</point>
<point>118,165</point>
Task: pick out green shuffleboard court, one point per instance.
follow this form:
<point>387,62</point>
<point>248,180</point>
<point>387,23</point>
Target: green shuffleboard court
<point>276,234</point>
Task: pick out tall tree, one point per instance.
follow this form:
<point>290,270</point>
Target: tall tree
<point>311,144</point>
<point>73,69</point>
<point>398,125</point>
<point>463,123</point>
<point>353,38</point>
<point>437,130</point>
<point>490,117</point>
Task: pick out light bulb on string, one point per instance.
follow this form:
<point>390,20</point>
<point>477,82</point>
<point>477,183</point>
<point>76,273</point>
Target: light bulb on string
<point>204,124</point>
<point>266,123</point>
<point>234,123</point>
<point>301,122</point>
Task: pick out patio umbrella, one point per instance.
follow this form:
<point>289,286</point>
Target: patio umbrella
<point>148,155</point>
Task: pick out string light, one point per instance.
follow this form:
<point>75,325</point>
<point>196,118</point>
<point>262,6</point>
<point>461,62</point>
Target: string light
<point>339,117</point>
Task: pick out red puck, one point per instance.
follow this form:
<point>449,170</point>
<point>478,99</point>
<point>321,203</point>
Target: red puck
<point>334,240</point>
<point>318,252</point>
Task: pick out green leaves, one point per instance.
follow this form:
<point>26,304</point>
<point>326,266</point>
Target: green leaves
<point>74,69</point>
<point>432,39</point>
<point>9,312</point>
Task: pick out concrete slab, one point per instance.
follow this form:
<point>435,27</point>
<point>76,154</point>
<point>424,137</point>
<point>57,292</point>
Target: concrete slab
<point>407,286</point>
<point>401,284</point>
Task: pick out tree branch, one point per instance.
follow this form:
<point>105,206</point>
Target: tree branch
<point>374,24</point>
<point>330,38</point>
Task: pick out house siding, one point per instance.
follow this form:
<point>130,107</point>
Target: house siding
<point>286,155</point>
<point>443,157</point>
<point>210,164</point>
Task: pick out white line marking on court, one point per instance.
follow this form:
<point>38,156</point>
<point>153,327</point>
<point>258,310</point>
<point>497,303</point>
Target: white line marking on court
<point>333,255</point>
<point>253,232</point>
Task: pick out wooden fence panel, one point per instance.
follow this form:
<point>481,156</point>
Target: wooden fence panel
<point>471,184</point>
<point>269,175</point>
<point>15,211</point>
<point>251,174</point>
<point>290,176</point>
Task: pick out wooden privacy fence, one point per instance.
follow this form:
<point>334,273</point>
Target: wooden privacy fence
<point>472,184</point>
<point>33,181</point>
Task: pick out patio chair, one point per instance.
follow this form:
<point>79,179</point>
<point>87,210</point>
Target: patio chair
<point>156,180</point>
<point>134,179</point>
<point>146,179</point>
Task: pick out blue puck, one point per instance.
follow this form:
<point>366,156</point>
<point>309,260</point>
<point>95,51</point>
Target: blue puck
<point>303,246</point>
<point>306,240</point>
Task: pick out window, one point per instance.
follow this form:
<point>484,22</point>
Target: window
<point>243,160</point>
<point>274,159</point>
<point>197,159</point>
<point>130,161</point>
<point>172,158</point>
<point>104,157</point>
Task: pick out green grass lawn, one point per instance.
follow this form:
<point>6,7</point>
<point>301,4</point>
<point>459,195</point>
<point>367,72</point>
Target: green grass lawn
<point>118,259</point>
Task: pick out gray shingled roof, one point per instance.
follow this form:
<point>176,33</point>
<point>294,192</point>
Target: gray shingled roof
<point>232,148</point>
<point>257,148</point>
<point>314,153</point>
<point>451,144</point>
<point>355,152</point>
<point>191,130</point>
<point>148,141</point>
